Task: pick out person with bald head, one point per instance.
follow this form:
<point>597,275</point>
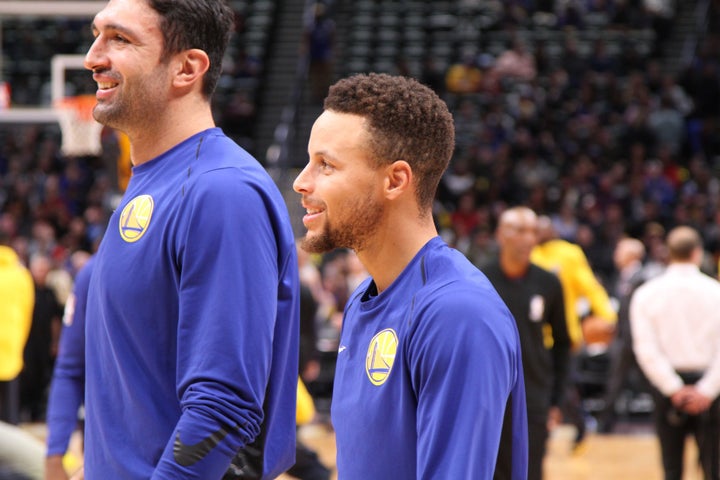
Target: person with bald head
<point>675,322</point>
<point>535,298</point>
<point>628,257</point>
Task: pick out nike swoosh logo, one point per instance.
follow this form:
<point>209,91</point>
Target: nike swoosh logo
<point>188,455</point>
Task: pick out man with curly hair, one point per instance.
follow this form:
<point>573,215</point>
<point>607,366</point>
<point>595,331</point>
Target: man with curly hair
<point>429,356</point>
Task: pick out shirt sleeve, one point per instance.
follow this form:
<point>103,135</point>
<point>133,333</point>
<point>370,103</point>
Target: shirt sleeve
<point>654,364</point>
<point>709,384</point>
<point>561,341</point>
<point>68,383</point>
<point>464,361</point>
<point>228,306</point>
<point>589,287</point>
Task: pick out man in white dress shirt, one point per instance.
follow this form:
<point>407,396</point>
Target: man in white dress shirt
<point>675,322</point>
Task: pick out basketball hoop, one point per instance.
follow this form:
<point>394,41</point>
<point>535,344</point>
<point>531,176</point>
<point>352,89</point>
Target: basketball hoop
<point>80,131</point>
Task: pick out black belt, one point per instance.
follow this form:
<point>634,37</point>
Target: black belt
<point>690,378</point>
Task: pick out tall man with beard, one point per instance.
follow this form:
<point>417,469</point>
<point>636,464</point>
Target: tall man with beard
<point>429,355</point>
<point>192,331</point>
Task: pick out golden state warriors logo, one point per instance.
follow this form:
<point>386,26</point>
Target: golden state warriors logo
<point>381,356</point>
<point>135,218</point>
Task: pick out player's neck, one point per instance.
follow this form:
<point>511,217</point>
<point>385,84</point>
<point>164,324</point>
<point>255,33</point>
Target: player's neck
<point>513,269</point>
<point>388,253</point>
<point>168,130</point>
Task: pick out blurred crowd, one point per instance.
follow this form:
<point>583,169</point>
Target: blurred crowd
<point>606,145</point>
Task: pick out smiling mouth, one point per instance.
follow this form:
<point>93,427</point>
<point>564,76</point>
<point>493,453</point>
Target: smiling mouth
<point>106,85</point>
<point>313,211</point>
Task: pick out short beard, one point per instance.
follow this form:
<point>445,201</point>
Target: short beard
<point>352,233</point>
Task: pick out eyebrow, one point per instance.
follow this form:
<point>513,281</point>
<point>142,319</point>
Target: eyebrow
<point>324,154</point>
<point>113,26</point>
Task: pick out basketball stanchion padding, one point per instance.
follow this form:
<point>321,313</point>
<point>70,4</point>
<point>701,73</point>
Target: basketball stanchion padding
<point>81,133</point>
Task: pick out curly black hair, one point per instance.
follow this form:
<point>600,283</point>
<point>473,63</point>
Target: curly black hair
<point>406,121</point>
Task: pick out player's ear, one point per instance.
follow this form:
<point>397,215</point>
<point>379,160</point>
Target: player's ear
<point>398,179</point>
<point>192,65</point>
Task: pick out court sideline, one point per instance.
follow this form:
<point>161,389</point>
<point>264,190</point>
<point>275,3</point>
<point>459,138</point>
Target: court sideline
<point>621,456</point>
<point>626,456</point>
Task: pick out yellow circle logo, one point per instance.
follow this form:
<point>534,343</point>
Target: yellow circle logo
<point>135,218</point>
<point>381,356</point>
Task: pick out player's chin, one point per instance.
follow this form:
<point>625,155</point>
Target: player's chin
<point>316,243</point>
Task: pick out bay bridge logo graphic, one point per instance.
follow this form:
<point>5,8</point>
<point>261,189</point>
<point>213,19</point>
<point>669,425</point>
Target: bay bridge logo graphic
<point>135,218</point>
<point>381,356</point>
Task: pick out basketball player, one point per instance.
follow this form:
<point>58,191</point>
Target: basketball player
<point>429,355</point>
<point>193,305</point>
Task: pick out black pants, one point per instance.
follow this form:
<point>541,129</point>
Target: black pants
<point>623,365</point>
<point>10,401</point>
<point>537,440</point>
<point>673,427</point>
<point>307,465</point>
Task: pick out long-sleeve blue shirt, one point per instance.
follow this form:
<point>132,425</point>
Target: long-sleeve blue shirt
<point>192,347</point>
<point>68,383</point>
<point>424,373</point>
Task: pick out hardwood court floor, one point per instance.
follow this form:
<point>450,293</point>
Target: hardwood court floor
<point>620,456</point>
<point>627,456</point>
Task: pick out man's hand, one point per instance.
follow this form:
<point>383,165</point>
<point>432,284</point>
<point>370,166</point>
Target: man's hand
<point>689,400</point>
<point>554,419</point>
<point>680,398</point>
<point>697,403</point>
<point>54,469</point>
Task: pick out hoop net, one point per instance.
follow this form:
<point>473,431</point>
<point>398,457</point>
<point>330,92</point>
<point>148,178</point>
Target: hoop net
<point>80,131</point>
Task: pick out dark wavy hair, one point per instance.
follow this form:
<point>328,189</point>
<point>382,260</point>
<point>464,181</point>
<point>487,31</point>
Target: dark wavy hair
<point>203,24</point>
<point>405,120</point>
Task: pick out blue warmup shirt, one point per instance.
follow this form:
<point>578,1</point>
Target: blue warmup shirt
<point>193,321</point>
<point>424,373</point>
<point>68,384</point>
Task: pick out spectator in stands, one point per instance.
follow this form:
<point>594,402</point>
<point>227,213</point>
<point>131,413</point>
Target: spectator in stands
<point>41,346</point>
<point>629,58</point>
<point>661,15</point>
<point>667,124</point>
<point>600,60</point>
<point>464,76</point>
<point>571,61</point>
<point>517,62</point>
<point>432,76</point>
<point>570,14</point>
<point>466,218</point>
<point>17,296</point>
<point>319,43</point>
<point>239,116</point>
<point>628,15</point>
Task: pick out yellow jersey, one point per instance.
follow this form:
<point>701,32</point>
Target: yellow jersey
<point>570,264</point>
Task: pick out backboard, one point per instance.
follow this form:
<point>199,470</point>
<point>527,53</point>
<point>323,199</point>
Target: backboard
<point>62,20</point>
